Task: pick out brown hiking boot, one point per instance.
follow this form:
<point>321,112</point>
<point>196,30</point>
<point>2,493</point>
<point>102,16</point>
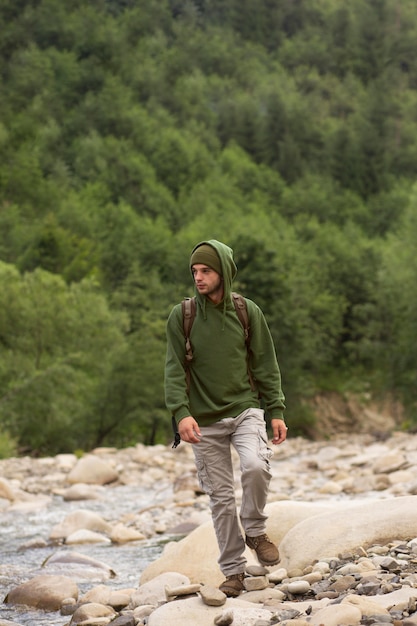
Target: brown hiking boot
<point>266,551</point>
<point>233,585</point>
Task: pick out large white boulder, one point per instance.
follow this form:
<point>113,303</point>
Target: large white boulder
<point>196,555</point>
<point>348,527</point>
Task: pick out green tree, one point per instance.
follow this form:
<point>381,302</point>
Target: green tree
<point>58,342</point>
<point>395,335</point>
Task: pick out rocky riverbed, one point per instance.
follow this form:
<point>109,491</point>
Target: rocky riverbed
<point>125,537</point>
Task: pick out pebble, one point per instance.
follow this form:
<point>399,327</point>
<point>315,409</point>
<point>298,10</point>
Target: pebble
<point>373,585</point>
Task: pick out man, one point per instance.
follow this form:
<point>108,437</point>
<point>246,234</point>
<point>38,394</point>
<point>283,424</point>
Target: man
<point>219,407</point>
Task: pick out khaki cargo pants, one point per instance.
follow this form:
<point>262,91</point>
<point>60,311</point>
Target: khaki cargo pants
<point>247,434</point>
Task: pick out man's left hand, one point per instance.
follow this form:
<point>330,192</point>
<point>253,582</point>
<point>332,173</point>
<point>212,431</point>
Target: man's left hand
<point>279,431</point>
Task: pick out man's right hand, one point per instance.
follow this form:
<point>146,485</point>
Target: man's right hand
<point>189,430</point>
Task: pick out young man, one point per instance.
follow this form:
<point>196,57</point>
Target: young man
<point>219,407</point>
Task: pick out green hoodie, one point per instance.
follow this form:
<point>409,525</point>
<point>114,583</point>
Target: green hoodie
<point>219,384</point>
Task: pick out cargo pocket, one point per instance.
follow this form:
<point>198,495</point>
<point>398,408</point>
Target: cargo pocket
<point>203,477</point>
<point>264,450</point>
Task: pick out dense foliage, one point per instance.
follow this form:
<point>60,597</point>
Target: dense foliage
<point>129,131</point>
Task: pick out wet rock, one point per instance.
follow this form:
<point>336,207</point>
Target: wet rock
<point>102,594</point>
<point>92,613</point>
<point>92,470</point>
<point>86,536</point>
<point>123,534</point>
<point>80,491</point>
<point>79,520</point>
<point>43,592</point>
<point>78,566</point>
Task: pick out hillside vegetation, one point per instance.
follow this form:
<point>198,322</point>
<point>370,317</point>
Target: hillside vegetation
<point>130,131</point>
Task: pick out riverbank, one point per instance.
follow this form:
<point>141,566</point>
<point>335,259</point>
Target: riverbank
<point>346,470</point>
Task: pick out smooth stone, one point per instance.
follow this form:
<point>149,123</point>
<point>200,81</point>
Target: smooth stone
<point>366,605</point>
<point>86,536</point>
<point>194,611</point>
<point>298,587</point>
<point>313,577</point>
<point>79,520</point>
<point>264,596</point>
<point>80,491</point>
<point>153,592</point>
<point>102,594</point>
<point>277,576</point>
<point>183,590</point>
<point>212,596</point>
<point>29,503</point>
<point>78,566</point>
<point>399,597</point>
<point>343,584</point>
<point>256,570</point>
<point>92,470</point>
<point>389,463</point>
<point>337,615</point>
<point>92,613</point>
<point>331,487</point>
<point>123,534</point>
<point>6,490</point>
<point>196,555</point>
<point>124,620</point>
<point>351,526</point>
<point>43,592</point>
<point>256,583</point>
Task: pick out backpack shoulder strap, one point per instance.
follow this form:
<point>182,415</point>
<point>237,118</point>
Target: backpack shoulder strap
<point>242,313</point>
<point>188,306</point>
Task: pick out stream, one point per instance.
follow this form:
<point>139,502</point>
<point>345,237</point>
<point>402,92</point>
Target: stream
<point>21,560</point>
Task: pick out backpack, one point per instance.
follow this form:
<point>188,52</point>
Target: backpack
<point>189,309</point>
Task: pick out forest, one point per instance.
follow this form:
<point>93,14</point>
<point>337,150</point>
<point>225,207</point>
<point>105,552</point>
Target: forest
<point>132,130</point>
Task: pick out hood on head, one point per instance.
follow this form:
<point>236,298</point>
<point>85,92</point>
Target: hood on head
<point>229,269</point>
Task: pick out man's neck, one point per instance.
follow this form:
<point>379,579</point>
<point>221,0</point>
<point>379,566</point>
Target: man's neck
<point>217,296</point>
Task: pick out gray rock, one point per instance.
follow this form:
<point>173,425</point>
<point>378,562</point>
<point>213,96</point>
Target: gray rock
<point>255,583</point>
<point>212,596</point>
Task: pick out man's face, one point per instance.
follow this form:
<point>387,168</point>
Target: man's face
<point>208,282</point>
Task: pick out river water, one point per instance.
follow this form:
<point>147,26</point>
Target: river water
<point>20,562</point>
